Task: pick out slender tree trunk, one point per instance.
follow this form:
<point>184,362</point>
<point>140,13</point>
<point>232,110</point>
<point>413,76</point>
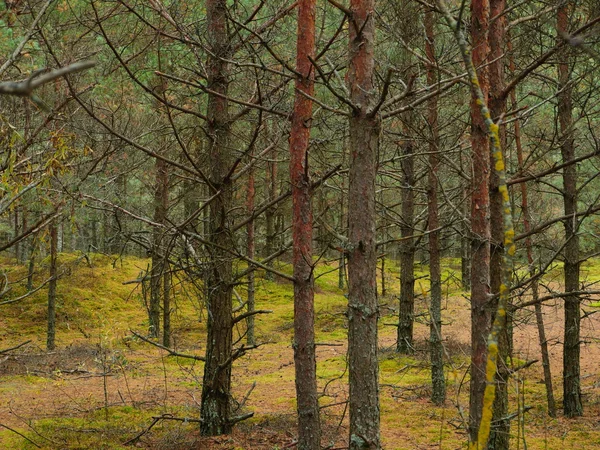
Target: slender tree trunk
<point>404,343</point>
<point>436,349</point>
<point>216,382</point>
<point>250,250</point>
<point>161,192</point>
<point>480,222</point>
<point>405,338</point>
<point>51,334</point>
<point>571,350</point>
<point>309,430</point>
<point>539,317</point>
<point>271,186</point>
<point>343,225</point>
<point>500,432</point>
<point>31,266</point>
<point>166,304</point>
<point>363,309</point>
<point>465,241</point>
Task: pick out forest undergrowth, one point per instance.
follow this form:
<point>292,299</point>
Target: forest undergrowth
<point>104,388</point>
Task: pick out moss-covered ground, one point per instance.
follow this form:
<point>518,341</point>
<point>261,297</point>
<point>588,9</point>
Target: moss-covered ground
<point>103,387</point>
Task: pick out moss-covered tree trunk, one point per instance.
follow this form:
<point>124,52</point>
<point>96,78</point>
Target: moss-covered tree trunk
<point>480,221</point>
<point>500,433</point>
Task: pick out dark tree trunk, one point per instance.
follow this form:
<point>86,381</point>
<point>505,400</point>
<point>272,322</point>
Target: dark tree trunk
<point>480,223</point>
<point>309,430</point>
<point>363,308</point>
<point>571,350</point>
<point>271,186</point>
<point>500,432</point>
<point>465,242</point>
<point>31,265</point>
<point>51,333</point>
<point>216,382</point>
<point>166,304</point>
<point>436,349</point>
<point>539,317</point>
<point>250,250</point>
<point>161,192</point>
<point>404,341</point>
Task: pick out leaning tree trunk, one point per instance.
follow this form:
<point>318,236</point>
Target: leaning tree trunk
<point>436,349</point>
<point>571,350</point>
<point>480,222</point>
<point>363,308</point>
<point>216,382</point>
<point>309,429</point>
<point>500,433</point>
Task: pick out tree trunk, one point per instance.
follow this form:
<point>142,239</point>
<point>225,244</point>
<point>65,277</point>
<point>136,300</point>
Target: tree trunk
<point>480,223</point>
<point>363,308</point>
<point>309,430</point>
<point>465,242</point>
<point>271,186</point>
<point>250,250</point>
<point>571,350</point>
<point>500,432</point>
<point>436,349</point>
<point>216,382</point>
<point>166,304</point>
<point>529,248</point>
<point>404,342</point>
<point>161,191</point>
<point>51,334</point>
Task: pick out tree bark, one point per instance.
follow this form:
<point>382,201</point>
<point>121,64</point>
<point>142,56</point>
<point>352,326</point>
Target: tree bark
<point>480,222</point>
<point>571,349</point>
<point>250,250</point>
<point>51,332</point>
<point>436,349</point>
<point>363,308</point>
<point>161,192</point>
<point>271,186</point>
<point>309,430</point>
<point>216,382</point>
<point>539,317</point>
<point>500,432</point>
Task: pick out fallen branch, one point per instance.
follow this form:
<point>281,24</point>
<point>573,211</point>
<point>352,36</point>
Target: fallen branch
<point>167,349</point>
<point>20,434</point>
<point>2,352</point>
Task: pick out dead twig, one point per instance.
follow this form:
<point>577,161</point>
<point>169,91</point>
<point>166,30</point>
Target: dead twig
<point>162,347</point>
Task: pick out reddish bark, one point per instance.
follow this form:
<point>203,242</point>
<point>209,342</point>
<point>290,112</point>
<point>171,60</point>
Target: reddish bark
<point>363,308</point>
<point>309,433</point>
<point>480,222</point>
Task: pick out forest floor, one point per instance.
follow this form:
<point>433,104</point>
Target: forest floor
<point>105,389</point>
